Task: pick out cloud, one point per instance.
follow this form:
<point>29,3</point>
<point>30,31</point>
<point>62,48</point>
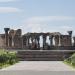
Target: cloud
<point>66,27</point>
<point>7,0</point>
<point>9,10</point>
<point>49,18</point>
<point>46,24</point>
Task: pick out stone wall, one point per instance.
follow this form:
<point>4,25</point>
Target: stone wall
<point>2,41</point>
<point>65,40</point>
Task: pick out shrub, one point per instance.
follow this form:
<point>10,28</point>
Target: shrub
<point>68,60</point>
<point>12,57</point>
<point>3,57</point>
<point>7,57</point>
<point>71,60</point>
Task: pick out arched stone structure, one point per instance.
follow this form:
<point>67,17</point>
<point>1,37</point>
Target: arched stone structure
<point>15,39</point>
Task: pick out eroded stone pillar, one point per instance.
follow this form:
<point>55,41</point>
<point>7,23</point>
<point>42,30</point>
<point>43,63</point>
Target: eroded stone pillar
<point>51,40</point>
<point>24,40</point>
<point>35,40</point>
<point>44,41</point>
<point>10,41</point>
<point>38,39</point>
<point>70,40</point>
<point>6,36</point>
<point>57,40</point>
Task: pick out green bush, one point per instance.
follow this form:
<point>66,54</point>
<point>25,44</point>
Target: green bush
<point>7,57</point>
<point>71,60</point>
<point>12,57</point>
<point>68,60</point>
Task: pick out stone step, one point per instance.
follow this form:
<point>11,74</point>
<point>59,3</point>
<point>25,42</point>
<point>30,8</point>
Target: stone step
<point>40,59</point>
<point>41,55</point>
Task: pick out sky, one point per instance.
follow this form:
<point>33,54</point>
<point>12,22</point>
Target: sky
<point>38,15</point>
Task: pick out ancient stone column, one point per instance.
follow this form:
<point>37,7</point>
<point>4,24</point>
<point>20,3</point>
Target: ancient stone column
<point>11,34</point>
<point>70,34</point>
<point>51,40</point>
<point>44,41</point>
<point>38,41</point>
<point>28,40</point>
<point>22,42</point>
<point>6,36</point>
<point>10,41</point>
<point>57,40</point>
<point>35,40</point>
<point>24,39</point>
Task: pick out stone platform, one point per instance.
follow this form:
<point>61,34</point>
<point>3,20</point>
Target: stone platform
<point>43,55</point>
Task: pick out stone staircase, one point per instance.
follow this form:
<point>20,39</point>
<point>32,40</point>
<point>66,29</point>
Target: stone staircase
<point>47,55</point>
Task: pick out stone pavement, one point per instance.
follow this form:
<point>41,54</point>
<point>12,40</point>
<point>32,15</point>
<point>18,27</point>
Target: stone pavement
<point>39,66</point>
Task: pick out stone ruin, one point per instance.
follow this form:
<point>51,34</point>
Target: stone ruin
<point>13,39</point>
